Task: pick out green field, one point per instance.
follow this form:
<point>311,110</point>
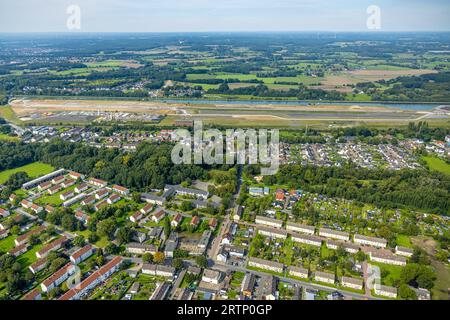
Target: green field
<point>392,273</point>
<point>8,114</point>
<point>436,164</point>
<point>33,170</point>
<point>5,137</point>
<point>7,243</point>
<point>403,240</point>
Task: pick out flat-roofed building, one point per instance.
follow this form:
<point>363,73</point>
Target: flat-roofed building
<point>333,234</point>
<point>370,241</point>
<point>302,228</point>
<point>268,222</point>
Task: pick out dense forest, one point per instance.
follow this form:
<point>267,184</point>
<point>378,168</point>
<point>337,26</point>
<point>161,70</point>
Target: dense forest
<point>149,167</point>
<point>427,87</point>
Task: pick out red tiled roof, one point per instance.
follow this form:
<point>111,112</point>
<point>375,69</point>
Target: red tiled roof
<point>58,274</point>
<point>85,283</point>
<point>82,251</point>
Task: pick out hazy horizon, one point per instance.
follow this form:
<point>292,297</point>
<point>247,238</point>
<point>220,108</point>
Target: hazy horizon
<point>175,16</point>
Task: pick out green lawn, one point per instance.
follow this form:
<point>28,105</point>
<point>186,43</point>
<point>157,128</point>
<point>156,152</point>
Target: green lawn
<point>33,170</point>
<point>393,273</point>
<point>437,164</point>
<point>8,114</point>
<point>29,257</point>
<point>5,137</point>
<point>7,243</point>
<point>403,241</point>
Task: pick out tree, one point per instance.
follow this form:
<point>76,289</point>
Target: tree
<point>106,228</point>
<point>136,197</point>
<point>15,229</point>
<point>79,241</point>
<point>147,257</point>
<point>93,238</point>
<point>52,294</point>
<point>159,257</point>
<point>177,263</point>
<point>68,222</point>
<point>100,260</point>
<point>166,226</point>
<point>56,264</point>
<point>124,235</point>
<point>111,248</point>
<point>186,206</point>
<point>406,293</point>
<point>201,261</point>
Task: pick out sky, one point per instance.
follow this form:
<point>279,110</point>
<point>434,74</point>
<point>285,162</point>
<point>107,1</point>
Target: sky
<point>222,15</point>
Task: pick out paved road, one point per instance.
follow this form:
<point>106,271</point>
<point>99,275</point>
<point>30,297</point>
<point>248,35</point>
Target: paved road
<point>215,246</point>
